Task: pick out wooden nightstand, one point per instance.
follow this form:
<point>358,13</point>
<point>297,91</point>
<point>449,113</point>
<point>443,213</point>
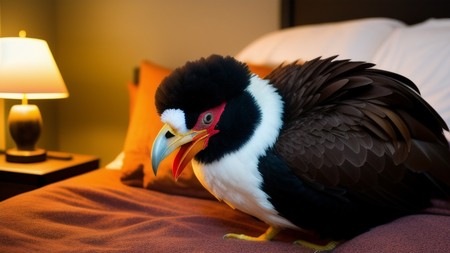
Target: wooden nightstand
<point>17,178</point>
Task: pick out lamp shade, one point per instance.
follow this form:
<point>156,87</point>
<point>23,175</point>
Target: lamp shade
<point>27,68</point>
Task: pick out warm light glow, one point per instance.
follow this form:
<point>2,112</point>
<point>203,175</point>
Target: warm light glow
<point>22,33</point>
<point>27,67</point>
<point>24,113</point>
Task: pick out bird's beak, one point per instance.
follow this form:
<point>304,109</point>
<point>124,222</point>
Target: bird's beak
<point>168,140</point>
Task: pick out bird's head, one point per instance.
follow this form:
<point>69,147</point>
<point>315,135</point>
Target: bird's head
<point>206,110</point>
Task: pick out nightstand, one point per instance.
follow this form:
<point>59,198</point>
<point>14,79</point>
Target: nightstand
<point>17,178</point>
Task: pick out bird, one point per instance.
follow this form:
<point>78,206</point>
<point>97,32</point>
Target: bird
<point>331,146</point>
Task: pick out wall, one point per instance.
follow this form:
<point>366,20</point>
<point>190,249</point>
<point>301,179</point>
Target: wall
<point>99,42</point>
<point>96,44</point>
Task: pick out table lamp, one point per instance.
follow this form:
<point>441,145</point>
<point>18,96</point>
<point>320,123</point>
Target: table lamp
<point>27,71</point>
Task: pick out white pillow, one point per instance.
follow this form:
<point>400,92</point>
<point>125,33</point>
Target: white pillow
<point>354,39</point>
<point>422,53</point>
<point>117,163</point>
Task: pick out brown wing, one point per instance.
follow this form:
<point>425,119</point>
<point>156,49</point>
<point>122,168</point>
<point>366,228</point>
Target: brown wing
<point>347,125</point>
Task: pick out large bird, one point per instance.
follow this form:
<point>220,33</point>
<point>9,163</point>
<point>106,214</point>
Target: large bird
<point>332,146</point>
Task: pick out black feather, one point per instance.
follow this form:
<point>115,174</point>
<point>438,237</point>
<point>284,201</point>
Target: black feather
<point>202,84</point>
<point>358,146</point>
<point>241,112</point>
<point>364,132</point>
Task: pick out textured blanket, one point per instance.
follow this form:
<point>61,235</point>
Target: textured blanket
<point>95,212</point>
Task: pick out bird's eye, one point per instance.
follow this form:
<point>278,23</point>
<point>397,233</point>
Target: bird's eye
<point>207,118</point>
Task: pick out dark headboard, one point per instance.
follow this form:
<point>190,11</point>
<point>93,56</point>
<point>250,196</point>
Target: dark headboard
<point>301,12</point>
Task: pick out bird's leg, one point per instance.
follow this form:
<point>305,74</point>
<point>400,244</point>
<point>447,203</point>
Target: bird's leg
<point>318,247</point>
<point>270,233</point>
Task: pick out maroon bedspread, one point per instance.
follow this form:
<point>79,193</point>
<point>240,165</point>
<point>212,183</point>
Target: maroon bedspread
<point>96,213</point>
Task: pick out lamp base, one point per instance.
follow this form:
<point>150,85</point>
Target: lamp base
<point>25,156</point>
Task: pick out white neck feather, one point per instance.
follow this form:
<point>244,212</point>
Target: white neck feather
<point>235,178</point>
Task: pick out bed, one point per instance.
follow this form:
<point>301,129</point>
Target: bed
<point>125,208</point>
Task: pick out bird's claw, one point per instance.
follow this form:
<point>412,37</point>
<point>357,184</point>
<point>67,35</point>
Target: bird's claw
<point>267,236</point>
<point>317,247</point>
<point>245,237</point>
<point>272,231</point>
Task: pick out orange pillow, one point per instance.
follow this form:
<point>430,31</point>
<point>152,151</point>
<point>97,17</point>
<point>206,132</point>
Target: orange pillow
<point>261,70</point>
<point>144,126</point>
<point>132,93</point>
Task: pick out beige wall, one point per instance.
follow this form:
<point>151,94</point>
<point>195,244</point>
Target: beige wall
<point>98,42</point>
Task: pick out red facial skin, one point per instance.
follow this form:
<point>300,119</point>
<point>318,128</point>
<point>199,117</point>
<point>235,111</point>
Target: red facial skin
<point>206,127</point>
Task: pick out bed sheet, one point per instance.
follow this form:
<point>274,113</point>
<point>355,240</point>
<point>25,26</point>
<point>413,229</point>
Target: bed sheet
<point>95,212</point>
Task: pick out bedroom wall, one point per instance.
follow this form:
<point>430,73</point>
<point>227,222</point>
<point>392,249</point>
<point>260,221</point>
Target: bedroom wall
<point>96,44</point>
<point>99,42</point>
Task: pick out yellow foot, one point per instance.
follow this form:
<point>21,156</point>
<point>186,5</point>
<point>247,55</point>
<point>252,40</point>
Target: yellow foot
<point>267,236</point>
<point>316,247</point>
